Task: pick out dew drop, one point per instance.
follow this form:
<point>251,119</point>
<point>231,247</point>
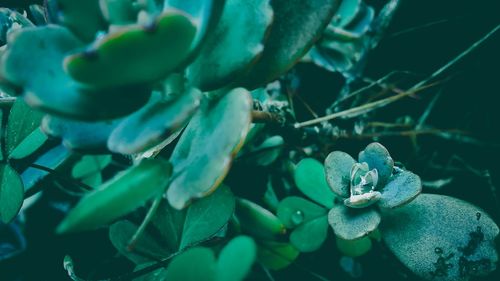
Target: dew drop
<point>297,217</point>
<point>438,250</point>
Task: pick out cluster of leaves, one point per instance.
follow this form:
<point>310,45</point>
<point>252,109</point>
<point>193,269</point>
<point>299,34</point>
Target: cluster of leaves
<point>183,80</point>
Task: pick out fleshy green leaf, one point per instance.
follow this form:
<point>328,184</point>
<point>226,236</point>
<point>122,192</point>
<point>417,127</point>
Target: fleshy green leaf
<point>258,221</point>
<point>338,166</point>
<point>209,143</point>
<point>193,265</point>
<point>401,189</point>
<point>85,137</point>
<point>154,123</point>
<point>350,224</point>
<point>354,248</point>
<point>236,259</point>
<point>377,157</point>
<point>119,196</point>
<point>83,17</point>
<point>40,50</point>
<point>441,238</point>
<point>276,255</point>
<point>157,50</point>
<point>207,216</point>
<point>267,152</point>
<point>22,121</point>
<point>311,180</point>
<point>347,11</point>
<point>205,14</point>
<point>235,43</point>
<point>144,250</point>
<point>29,145</point>
<point>292,34</point>
<point>11,193</point>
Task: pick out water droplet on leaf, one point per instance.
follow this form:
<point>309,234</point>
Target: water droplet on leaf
<point>298,217</point>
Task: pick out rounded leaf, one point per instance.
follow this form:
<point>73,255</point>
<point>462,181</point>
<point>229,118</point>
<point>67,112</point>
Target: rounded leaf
<point>377,157</point>
<point>29,145</point>
<point>276,255</point>
<point>209,143</point>
<point>338,166</point>
<point>442,238</point>
<point>294,211</point>
<point>235,43</point>
<point>310,236</point>
<point>153,123</point>
<point>352,224</point>
<point>310,178</point>
<point>119,196</point>
<point>401,189</point>
<point>22,121</point>
<point>157,50</point>
<point>11,193</point>
<point>236,259</point>
<point>258,221</point>
<point>292,34</point>
<point>193,265</point>
<point>83,17</point>
<point>354,248</point>
<point>347,11</point>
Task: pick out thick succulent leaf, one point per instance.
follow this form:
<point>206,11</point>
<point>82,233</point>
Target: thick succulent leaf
<point>401,189</point>
<point>53,159</point>
<point>354,248</point>
<point>235,43</point>
<point>40,50</point>
<point>442,238</point>
<point>207,216</point>
<point>310,178</point>
<point>258,221</point>
<point>11,193</point>
<point>144,250</point>
<point>21,122</point>
<point>81,136</point>
<point>236,259</point>
<point>209,143</point>
<point>29,145</point>
<point>158,49</point>
<point>346,13</point>
<point>153,123</point>
<point>377,157</point>
<point>193,265</point>
<point>276,255</point>
<point>352,224</point>
<point>294,211</point>
<point>361,24</point>
<point>338,166</point>
<point>292,34</point>
<point>205,14</point>
<point>310,236</point>
<point>90,164</point>
<point>84,18</point>
<point>119,196</point>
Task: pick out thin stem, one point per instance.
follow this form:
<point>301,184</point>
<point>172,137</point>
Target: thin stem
<point>145,222</point>
<point>266,117</point>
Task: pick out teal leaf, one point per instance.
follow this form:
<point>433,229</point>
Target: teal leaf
<point>267,152</point>
<point>84,18</point>
<point>153,123</point>
<point>292,34</point>
<point>401,189</point>
<point>236,259</point>
<point>209,143</point>
<point>205,14</point>
<point>347,11</point>
<point>310,178</point>
<point>308,221</point>
<point>47,87</point>
<point>118,196</point>
<point>377,157</point>
<point>29,145</point>
<point>22,121</point>
<point>351,224</point>
<point>257,221</point>
<point>11,193</point>
<point>193,265</point>
<point>144,250</point>
<point>338,166</point>
<point>90,164</point>
<point>442,238</point>
<point>354,248</point>
<point>158,49</point>
<point>276,255</point>
<point>235,43</point>
<point>170,222</point>
<point>81,136</point>
<point>207,216</point>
